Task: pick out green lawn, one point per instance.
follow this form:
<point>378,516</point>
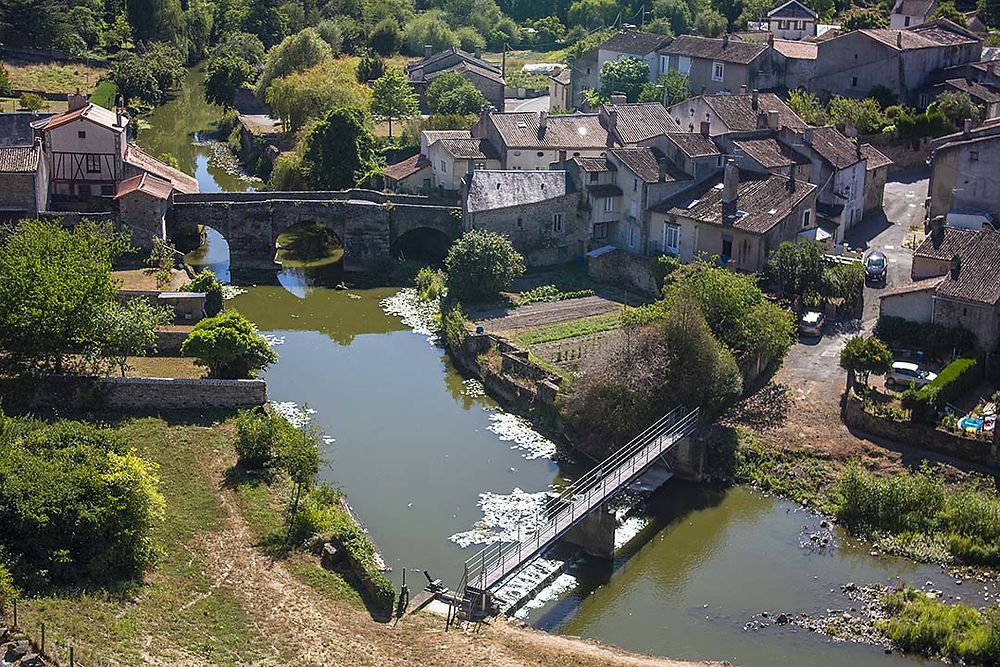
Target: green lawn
<point>104,94</point>
<point>54,78</point>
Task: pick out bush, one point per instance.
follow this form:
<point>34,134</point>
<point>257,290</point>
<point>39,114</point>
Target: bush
<point>430,284</point>
<point>453,322</point>
<point>8,592</point>
<point>935,340</point>
<point>865,356</point>
<point>551,293</point>
<point>258,437</point>
<point>955,379</point>
<point>229,346</point>
<point>923,625</point>
<point>481,264</point>
<point>212,287</point>
<point>663,266</point>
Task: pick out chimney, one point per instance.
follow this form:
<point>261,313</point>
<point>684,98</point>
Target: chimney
<point>618,98</point>
<point>937,229</point>
<point>754,101</point>
<point>967,127</point>
<point>730,190</point>
<point>761,120</point>
<point>428,50</point>
<point>725,40</point>
<point>899,39</point>
<point>857,149</point>
<point>543,121</point>
<point>76,100</point>
<point>772,119</point>
<point>791,178</point>
<point>479,52</point>
<point>770,39</point>
<point>743,89</point>
<point>807,136</point>
<point>956,267</point>
<point>612,126</point>
<point>706,128</point>
<point>562,159</point>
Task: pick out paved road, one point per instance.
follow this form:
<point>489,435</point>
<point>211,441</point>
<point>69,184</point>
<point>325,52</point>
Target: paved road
<point>535,104</point>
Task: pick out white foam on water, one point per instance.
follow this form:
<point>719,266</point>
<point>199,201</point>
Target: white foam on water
<point>628,529</point>
<point>416,314</point>
<point>296,416</point>
<point>473,388</point>
<point>563,583</point>
<point>525,581</point>
<point>505,517</point>
<point>231,291</point>
<point>273,340</point>
<point>518,430</point>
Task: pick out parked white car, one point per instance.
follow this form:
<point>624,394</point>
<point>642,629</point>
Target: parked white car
<point>905,374</point>
<point>811,324</point>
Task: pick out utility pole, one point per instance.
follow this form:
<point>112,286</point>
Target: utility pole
<point>503,61</point>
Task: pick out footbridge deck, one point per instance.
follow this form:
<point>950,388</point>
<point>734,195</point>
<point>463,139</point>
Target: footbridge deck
<point>497,563</point>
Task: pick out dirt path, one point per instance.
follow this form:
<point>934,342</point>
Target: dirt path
<point>296,625</point>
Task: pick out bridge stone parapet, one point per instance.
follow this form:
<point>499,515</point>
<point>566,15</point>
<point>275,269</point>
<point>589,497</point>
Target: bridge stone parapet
<point>368,223</point>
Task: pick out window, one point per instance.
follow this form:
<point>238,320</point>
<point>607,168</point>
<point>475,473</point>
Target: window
<point>718,71</point>
<point>684,65</point>
<point>609,204</point>
<point>671,238</point>
<point>601,230</point>
<point>633,208</point>
<point>557,222</point>
<point>718,161</point>
<point>81,134</point>
<point>635,185</point>
<point>427,184</point>
<point>664,64</point>
<point>520,223</point>
<point>854,82</point>
<point>906,22</point>
<point>444,167</point>
<point>727,248</point>
<point>93,164</point>
<point>974,155</point>
<point>806,218</point>
<point>594,176</point>
<point>631,237</point>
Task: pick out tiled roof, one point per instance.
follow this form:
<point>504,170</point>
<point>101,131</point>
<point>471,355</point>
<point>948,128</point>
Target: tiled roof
<point>92,112</point>
<point>471,67</point>
<point>429,62</point>
<point>470,149</point>
<point>408,167</point>
<point>763,201</point>
<point>977,277</point>
<point>928,35</point>
<point>180,181</point>
<point>792,9</point>
<point>916,286</point>
<point>693,144</point>
<point>739,114</point>
<point>145,183</point>
<point>839,151</point>
<point>952,241</point>
<point>796,49</point>
<point>18,159</point>
<point>723,50</point>
<point>645,163</point>
<point>946,32</point>
<point>593,164</point>
<point>563,77</point>
<point>770,153</point>
<point>974,89</point>
<point>430,136</point>
<point>874,158</point>
<point>520,130</point>
<point>635,123</point>
<point>635,42</point>
<point>490,190</point>
<point>913,7</point>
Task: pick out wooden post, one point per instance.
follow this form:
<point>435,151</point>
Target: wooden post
<point>71,657</point>
<point>43,639</point>
<point>15,613</point>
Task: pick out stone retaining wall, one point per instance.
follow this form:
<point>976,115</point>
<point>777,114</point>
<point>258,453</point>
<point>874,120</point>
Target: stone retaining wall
<point>919,435</point>
<point>618,267</point>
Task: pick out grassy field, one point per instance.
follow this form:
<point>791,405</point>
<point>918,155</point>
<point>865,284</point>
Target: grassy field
<point>569,329</point>
<point>11,104</point>
<point>165,367</point>
<point>54,78</point>
<point>104,94</point>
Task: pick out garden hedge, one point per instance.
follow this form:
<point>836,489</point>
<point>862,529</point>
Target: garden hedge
<point>935,340</point>
<point>955,379</point>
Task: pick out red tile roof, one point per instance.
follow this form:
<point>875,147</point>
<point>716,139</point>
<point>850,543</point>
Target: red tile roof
<point>92,112</point>
<point>408,167</point>
<point>178,179</point>
<point>147,184</point>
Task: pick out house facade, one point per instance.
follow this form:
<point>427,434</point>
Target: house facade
<point>722,65</point>
<point>792,20</point>
<point>485,76</point>
<point>964,168</point>
<point>561,92</point>
<point>911,13</point>
<point>627,42</point>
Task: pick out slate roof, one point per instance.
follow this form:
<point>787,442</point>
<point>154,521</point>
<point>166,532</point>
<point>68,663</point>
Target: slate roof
<point>92,112</point>
<point>929,35</point>
<point>770,153</point>
<point>645,162</point>
<point>913,7</point>
<point>839,151</point>
<point>635,123</point>
<point>593,164</point>
<point>977,278</point>
<point>796,49</point>
<point>765,202</point>
<point>520,130</point>
<point>490,190</point>
<point>470,149</point>
<point>974,89</point>
<point>16,130</point>
<point>180,181</point>
<point>406,168</point>
<point>722,50</point>
<point>147,184</point>
<point>792,9</point>
<point>738,114</point>
<point>946,245</point>
<point>635,42</point>
<point>19,159</point>
<point>875,159</point>
<point>472,67</point>
<point>422,69</point>
<point>563,77</point>
<point>693,144</point>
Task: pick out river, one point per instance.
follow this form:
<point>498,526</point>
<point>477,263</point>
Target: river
<point>429,464</point>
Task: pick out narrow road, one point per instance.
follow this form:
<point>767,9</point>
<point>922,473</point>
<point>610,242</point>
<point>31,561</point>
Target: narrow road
<point>535,104</point>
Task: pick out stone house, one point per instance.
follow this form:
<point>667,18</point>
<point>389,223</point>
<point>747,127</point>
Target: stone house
<point>738,217</point>
<point>877,166</point>
<point>904,61</point>
<point>560,91</point>
<point>911,13</point>
<point>792,20</point>
<point>626,42</point>
<point>794,62</point>
<point>24,183</point>
<point>142,206</point>
<point>956,284</point>
<point>537,210</point>
<point>742,112</point>
<point>411,175</point>
<point>985,95</point>
<point>451,158</point>
<point>719,65</point>
<point>964,168</point>
<point>485,76</point>
<point>531,141</point>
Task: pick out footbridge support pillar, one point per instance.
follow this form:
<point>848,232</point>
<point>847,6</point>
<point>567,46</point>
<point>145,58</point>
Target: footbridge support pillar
<point>595,535</point>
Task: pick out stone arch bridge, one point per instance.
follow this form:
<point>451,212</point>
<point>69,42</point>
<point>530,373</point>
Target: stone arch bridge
<point>369,224</point>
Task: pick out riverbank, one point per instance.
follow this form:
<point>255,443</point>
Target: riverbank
<point>216,597</point>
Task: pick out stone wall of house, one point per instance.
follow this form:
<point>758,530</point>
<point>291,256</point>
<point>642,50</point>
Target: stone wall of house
<point>18,192</point>
<point>623,268</point>
<point>980,319</point>
<point>532,229</point>
<point>920,435</point>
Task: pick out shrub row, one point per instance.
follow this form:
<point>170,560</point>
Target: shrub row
<point>935,340</point>
<point>551,293</point>
<point>955,379</point>
<point>923,625</point>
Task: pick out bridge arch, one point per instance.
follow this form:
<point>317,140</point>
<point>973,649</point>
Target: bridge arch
<point>424,244</point>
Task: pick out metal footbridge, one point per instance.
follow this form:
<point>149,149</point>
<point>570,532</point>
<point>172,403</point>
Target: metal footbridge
<point>497,563</point>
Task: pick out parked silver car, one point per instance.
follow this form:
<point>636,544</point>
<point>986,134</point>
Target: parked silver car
<point>906,374</point>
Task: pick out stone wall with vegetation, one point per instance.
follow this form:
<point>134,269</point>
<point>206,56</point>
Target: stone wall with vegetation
<point>622,268</point>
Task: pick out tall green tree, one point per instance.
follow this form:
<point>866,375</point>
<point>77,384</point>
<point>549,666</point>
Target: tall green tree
<point>593,13</point>
<point>452,93</point>
<point>54,284</point>
<point>386,37</point>
<point>233,66</point>
<point>299,459</point>
<point>124,330</point>
<point>153,20</point>
<point>625,75</point>
<point>481,264</point>
<point>798,269</point>
<point>229,346</point>
<point>296,53</point>
<point>864,356</point>
<point>393,98</point>
<point>341,150</point>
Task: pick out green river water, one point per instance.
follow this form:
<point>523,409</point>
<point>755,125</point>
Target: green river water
<point>422,455</point>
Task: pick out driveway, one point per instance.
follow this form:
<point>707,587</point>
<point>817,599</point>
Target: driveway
<point>535,104</point>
